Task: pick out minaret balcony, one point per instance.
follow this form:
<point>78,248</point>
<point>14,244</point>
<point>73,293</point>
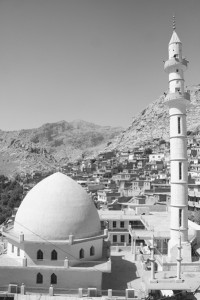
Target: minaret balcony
<point>175,63</point>
<point>178,96</point>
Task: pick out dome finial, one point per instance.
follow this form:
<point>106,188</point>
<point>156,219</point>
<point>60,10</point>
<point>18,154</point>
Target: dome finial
<point>174,22</point>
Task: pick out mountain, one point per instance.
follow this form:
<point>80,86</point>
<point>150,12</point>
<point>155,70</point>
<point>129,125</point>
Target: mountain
<point>153,123</point>
<point>50,146</point>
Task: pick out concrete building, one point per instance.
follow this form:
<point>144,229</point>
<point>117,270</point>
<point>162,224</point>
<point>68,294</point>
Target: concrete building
<point>156,157</point>
<point>177,99</point>
<point>107,195</point>
<point>56,240</point>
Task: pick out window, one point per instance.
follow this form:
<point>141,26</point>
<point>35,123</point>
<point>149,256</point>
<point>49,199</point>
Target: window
<point>180,217</point>
<point>18,251</point>
<point>13,248</point>
<point>39,278</point>
<point>114,238</point>
<point>39,255</point>
<point>92,251</point>
<point>179,125</point>
<point>81,253</point>
<point>53,279</point>
<point>177,70</point>
<point>122,224</point>
<point>122,238</point>
<point>180,170</point>
<point>54,255</point>
<point>114,224</point>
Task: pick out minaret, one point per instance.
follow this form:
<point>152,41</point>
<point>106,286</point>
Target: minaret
<point>177,99</point>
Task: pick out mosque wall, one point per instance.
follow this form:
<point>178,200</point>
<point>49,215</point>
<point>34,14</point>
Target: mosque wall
<point>66,278</point>
<point>92,250</point>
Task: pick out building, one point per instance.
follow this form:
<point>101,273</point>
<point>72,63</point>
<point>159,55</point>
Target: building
<point>156,157</point>
<point>107,196</point>
<point>56,239</point>
<point>177,99</point>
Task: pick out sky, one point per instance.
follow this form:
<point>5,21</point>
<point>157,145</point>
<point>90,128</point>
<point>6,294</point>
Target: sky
<point>96,60</point>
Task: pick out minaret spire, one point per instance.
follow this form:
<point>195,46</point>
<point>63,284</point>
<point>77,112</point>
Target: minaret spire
<point>174,23</point>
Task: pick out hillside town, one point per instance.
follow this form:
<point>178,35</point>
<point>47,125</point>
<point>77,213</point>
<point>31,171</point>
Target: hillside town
<point>140,176</point>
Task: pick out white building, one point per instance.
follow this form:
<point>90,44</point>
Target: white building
<point>156,157</point>
<point>177,99</point>
<point>56,239</point>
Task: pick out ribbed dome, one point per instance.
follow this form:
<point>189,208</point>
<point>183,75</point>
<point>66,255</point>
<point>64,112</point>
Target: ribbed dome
<point>55,208</point>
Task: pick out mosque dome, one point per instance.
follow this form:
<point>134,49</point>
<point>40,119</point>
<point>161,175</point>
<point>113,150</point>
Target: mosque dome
<point>55,208</point>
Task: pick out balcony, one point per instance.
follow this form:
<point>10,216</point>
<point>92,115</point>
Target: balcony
<point>175,63</point>
<point>178,96</point>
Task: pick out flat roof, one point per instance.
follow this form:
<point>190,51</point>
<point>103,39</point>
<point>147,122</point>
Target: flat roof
<point>156,222</point>
<point>166,280</point>
<point>117,215</point>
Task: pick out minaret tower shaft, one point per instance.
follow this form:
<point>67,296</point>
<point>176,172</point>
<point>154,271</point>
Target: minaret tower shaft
<point>177,99</point>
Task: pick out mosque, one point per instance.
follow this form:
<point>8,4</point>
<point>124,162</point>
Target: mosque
<point>56,240</point>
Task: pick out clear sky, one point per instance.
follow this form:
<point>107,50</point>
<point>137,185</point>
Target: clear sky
<point>96,60</point>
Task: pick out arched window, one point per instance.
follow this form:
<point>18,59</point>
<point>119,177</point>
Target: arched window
<point>39,254</point>
<point>53,279</point>
<point>92,251</point>
<point>39,278</point>
<point>81,253</point>
<point>54,255</point>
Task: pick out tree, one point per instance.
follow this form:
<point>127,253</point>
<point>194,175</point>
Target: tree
<point>147,151</point>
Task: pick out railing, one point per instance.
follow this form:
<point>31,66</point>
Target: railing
<point>81,292</point>
<point>118,230</point>
<point>173,62</point>
<point>120,247</point>
<point>145,223</point>
<point>177,96</point>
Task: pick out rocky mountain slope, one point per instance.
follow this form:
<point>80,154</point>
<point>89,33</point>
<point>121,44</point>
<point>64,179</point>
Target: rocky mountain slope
<point>52,145</point>
<point>153,123</point>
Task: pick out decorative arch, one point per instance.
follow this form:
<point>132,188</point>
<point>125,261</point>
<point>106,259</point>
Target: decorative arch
<point>53,279</point>
<point>92,251</point>
<point>39,254</point>
<point>81,253</point>
<point>54,255</point>
<point>39,278</point>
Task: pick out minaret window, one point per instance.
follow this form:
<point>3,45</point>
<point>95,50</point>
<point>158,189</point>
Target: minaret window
<point>39,255</point>
<point>180,217</point>
<point>180,171</point>
<point>177,70</point>
<point>179,125</point>
<point>39,278</point>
